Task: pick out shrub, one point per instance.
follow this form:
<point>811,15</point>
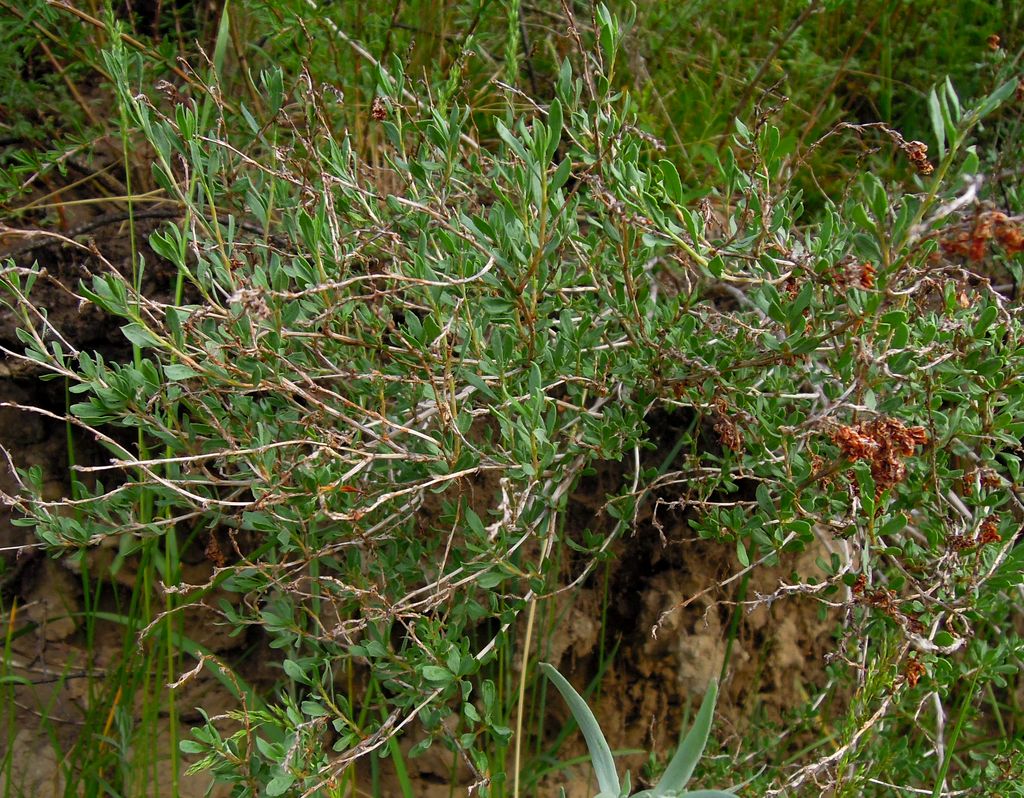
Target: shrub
<point>374,389</point>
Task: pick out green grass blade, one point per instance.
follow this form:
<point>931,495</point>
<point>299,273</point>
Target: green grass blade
<point>221,45</point>
<point>401,772</point>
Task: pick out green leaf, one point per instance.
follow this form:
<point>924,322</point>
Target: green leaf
<point>954,100</point>
<point>179,371</point>
<point>600,753</point>
<point>680,769</point>
<point>279,784</point>
<point>670,180</point>
<point>997,98</point>
<point>139,335</point>
<point>741,554</point>
<point>489,580</point>
<point>938,127</point>
<point>295,671</point>
<point>554,128</point>
<point>893,525</point>
<point>742,129</point>
<point>435,673</point>
<point>513,143</point>
<point>561,174</point>
<point>314,709</point>
<point>220,47</point>
<point>606,33</point>
<point>985,318</point>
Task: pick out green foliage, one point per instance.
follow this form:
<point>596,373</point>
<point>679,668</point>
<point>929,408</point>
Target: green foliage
<point>400,335</point>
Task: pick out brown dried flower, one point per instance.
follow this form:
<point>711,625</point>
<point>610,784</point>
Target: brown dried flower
<point>993,42</point>
<point>1008,234</point>
<point>171,92</point>
<point>214,553</point>
<point>990,478</point>
<point>959,543</point>
<point>987,226</point>
<point>853,444</point>
<point>917,154</point>
<point>727,430</point>
<point>989,532</point>
<point>883,442</point>
<point>867,275</point>
<point>913,671</point>
<point>379,109</point>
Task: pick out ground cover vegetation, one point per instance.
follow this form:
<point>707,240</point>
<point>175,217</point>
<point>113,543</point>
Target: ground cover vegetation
<point>361,359</point>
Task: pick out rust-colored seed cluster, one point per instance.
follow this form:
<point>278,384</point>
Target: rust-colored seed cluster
<point>854,444</point>
<point>917,154</point>
<point>988,533</point>
<point>885,600</point>
<point>214,553</point>
<point>725,427</point>
<point>993,41</point>
<point>960,543</point>
<point>867,275</point>
<point>913,671</point>
<point>988,477</point>
<point>379,109</point>
<point>988,226</point>
<point>850,272</point>
<point>883,442</point>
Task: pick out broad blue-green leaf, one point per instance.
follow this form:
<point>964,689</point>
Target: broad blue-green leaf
<point>679,770</point>
<point>708,794</point>
<point>600,753</point>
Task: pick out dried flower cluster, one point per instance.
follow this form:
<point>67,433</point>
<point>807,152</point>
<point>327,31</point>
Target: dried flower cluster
<point>849,272</point>
<point>917,154</point>
<point>884,442</point>
<point>988,533</point>
<point>727,430</point>
<point>886,601</point>
<point>867,276</point>
<point>913,671</point>
<point>972,242</point>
